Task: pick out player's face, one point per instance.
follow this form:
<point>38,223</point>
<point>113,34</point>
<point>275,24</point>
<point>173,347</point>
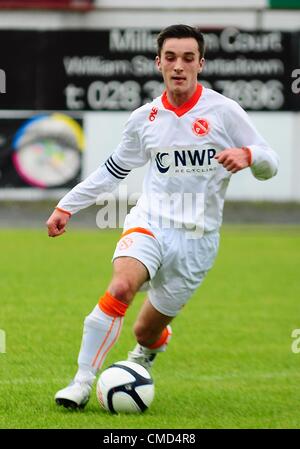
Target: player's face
<point>180,63</point>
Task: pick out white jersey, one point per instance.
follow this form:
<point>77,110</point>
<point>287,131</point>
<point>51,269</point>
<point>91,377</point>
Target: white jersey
<point>184,184</point>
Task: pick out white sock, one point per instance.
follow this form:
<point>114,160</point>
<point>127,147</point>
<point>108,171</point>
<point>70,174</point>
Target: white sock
<point>100,333</point>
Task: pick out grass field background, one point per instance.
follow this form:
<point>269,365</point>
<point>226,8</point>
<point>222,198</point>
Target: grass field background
<point>229,364</point>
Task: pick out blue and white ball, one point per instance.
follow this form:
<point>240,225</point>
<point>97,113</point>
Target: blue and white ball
<point>125,387</point>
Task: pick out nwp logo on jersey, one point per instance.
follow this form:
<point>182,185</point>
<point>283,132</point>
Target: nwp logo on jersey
<point>186,161</point>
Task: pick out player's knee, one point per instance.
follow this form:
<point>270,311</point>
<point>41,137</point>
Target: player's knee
<point>122,289</point>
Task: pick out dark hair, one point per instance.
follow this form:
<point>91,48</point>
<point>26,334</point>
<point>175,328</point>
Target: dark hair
<point>179,32</point>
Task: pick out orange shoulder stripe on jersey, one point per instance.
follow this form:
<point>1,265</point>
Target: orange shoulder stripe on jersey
<point>141,230</point>
<point>112,306</point>
<point>64,211</point>
<point>162,339</point>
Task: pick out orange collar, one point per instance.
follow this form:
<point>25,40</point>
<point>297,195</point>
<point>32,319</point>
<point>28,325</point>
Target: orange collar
<point>185,107</point>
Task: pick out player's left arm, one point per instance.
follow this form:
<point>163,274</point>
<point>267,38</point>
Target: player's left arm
<point>249,148</point>
<point>235,159</point>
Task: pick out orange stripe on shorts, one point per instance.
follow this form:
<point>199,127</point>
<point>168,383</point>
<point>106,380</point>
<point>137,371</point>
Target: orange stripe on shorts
<point>141,230</point>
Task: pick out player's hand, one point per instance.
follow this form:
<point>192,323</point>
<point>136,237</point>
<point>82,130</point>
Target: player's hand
<point>234,159</point>
<point>57,222</point>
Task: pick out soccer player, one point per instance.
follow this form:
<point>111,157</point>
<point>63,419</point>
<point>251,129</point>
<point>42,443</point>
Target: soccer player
<point>194,140</point>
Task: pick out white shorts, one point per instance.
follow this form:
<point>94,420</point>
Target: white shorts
<point>176,264</point>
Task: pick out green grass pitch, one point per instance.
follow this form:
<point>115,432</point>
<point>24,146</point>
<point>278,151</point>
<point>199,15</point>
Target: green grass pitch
<point>229,364</point>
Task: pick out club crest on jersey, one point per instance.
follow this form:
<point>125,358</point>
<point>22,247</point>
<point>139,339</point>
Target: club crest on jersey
<point>200,127</point>
<point>153,114</point>
<point>125,243</point>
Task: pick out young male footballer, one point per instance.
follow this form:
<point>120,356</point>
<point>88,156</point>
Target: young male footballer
<point>195,139</point>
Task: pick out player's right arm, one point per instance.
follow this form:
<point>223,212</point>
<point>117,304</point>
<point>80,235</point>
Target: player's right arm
<point>57,222</point>
<point>128,155</point>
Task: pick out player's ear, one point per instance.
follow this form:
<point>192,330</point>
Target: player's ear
<point>201,64</point>
<point>157,62</point>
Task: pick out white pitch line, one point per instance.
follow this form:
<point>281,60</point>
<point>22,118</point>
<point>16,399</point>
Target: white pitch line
<point>245,376</point>
<point>32,380</point>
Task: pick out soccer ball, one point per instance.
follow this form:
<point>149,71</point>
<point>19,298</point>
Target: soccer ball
<point>125,387</point>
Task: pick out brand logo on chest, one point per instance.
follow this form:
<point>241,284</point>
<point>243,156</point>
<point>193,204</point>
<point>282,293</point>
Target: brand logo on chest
<point>187,161</point>
<point>153,114</point>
